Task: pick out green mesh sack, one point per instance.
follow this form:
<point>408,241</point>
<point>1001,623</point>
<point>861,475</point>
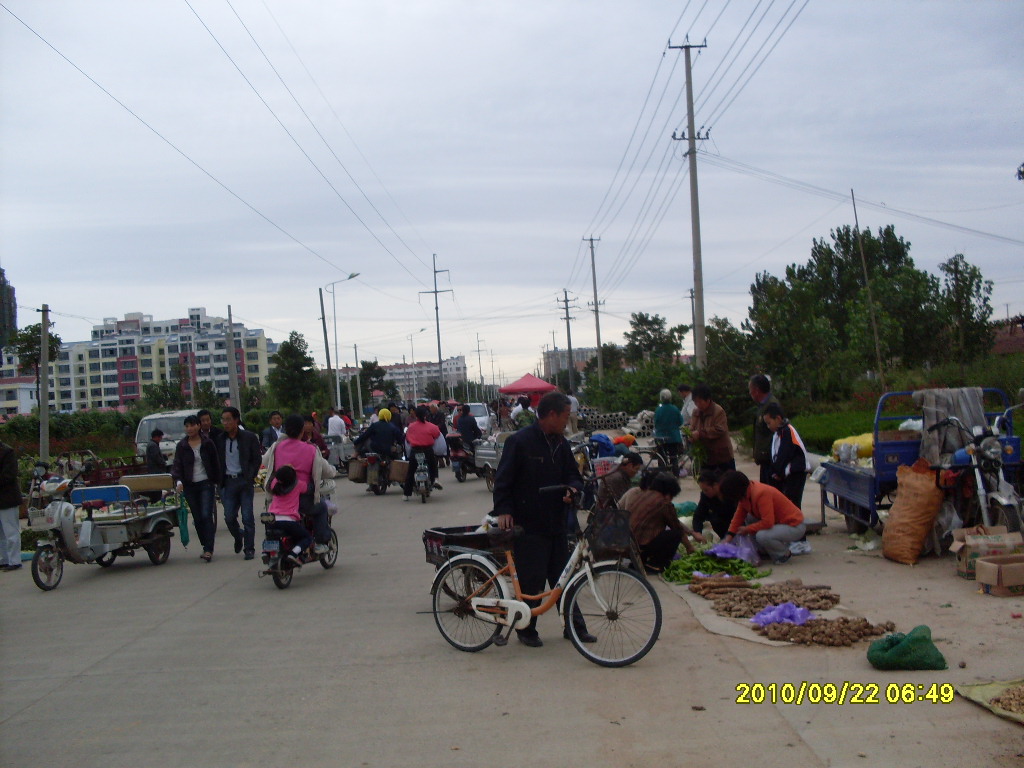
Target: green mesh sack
<point>914,650</point>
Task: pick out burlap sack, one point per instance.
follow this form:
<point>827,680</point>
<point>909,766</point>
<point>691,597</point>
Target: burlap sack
<point>912,515</point>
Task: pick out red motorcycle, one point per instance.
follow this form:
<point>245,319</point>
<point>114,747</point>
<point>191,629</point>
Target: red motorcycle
<point>277,546</point>
<point>463,458</point>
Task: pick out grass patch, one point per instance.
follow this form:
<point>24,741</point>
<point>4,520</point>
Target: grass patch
<point>820,430</point>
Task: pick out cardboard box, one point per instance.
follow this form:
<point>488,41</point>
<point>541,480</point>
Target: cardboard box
<point>971,543</point>
<point>1001,575</point>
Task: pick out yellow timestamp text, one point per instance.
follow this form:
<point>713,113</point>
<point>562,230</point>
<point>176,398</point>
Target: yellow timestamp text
<point>842,693</point>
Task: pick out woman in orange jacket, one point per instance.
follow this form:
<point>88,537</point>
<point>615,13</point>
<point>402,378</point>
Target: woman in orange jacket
<point>764,512</point>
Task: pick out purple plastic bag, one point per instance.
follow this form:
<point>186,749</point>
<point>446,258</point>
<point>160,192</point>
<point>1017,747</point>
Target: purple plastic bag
<point>784,613</point>
<point>742,548</point>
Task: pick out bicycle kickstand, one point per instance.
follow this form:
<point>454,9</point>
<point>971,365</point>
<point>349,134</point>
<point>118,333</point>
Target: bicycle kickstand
<point>503,636</point>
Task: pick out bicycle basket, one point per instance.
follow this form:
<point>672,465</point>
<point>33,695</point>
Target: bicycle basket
<point>609,535</point>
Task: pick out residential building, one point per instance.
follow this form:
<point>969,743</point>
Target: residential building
<point>123,356</point>
<point>411,378</point>
<point>8,310</point>
<point>556,360</point>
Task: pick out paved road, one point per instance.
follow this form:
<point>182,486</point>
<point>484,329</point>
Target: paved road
<point>192,664</point>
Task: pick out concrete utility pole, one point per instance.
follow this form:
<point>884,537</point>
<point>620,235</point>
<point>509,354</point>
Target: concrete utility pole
<point>437,323</point>
<point>44,385</point>
<point>323,323</point>
<point>699,337</point>
<point>233,363</point>
<point>568,336</point>
<point>871,301</point>
<point>480,365</point>
<point>359,384</point>
<point>597,309</point>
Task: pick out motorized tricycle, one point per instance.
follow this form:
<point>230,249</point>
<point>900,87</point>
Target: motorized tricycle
<point>97,524</point>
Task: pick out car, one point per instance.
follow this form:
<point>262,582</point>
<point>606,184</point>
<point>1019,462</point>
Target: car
<point>485,417</point>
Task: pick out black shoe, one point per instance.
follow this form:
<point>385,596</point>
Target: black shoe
<point>250,554</point>
<point>532,640</point>
<point>296,560</point>
<point>14,567</point>
<point>238,543</point>
<point>584,636</point>
<point>437,487</point>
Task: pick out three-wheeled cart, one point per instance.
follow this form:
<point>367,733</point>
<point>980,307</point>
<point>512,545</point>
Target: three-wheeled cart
<point>859,492</point>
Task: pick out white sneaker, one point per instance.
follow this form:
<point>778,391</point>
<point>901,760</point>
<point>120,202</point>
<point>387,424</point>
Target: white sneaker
<point>800,548</point>
<point>321,549</point>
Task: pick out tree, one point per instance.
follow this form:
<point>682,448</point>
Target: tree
<point>205,396</point>
<point>27,345</point>
<point>294,382</point>
<point>649,339</point>
<point>612,358</point>
<point>966,299</point>
<point>432,391</point>
<point>164,396</point>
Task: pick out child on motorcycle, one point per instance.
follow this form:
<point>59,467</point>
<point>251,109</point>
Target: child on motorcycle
<point>284,505</point>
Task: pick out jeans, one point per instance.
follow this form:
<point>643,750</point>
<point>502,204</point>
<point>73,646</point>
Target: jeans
<point>200,501</point>
<point>10,537</point>
<point>237,493</point>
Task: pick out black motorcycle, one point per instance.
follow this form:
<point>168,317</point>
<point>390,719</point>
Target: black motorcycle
<point>277,546</point>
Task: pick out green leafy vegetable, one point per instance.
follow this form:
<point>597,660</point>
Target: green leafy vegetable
<point>681,571</point>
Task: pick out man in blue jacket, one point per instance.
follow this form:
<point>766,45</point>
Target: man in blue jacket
<point>536,456</point>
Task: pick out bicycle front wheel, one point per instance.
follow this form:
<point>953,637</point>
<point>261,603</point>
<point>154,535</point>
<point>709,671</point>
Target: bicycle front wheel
<point>453,586</point>
<point>620,609</point>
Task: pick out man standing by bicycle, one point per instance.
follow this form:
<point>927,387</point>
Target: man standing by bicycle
<point>535,457</point>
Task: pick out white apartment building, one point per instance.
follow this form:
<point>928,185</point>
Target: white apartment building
<point>123,356</point>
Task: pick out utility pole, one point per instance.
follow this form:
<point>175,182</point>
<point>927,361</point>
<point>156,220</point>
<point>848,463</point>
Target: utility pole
<point>699,337</point>
<point>44,385</point>
<point>437,323</point>
<point>493,382</point>
<point>568,335</point>
<point>233,364</point>
<point>597,308</point>
<point>359,384</point>
<point>871,301</point>
<point>480,365</point>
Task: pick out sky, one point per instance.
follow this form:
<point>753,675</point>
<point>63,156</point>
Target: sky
<point>171,154</point>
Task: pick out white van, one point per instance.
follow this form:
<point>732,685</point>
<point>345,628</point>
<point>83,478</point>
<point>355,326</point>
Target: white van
<point>171,423</point>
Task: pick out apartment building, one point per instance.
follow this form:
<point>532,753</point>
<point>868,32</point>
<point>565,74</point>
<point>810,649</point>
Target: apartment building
<point>125,355</point>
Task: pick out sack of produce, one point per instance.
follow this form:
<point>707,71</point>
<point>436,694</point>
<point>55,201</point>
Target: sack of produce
<point>913,514</point>
<point>914,650</point>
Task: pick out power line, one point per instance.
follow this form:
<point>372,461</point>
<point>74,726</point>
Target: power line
<point>297,144</point>
<point>173,146</point>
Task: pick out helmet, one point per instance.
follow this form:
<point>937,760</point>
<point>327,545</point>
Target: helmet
<point>384,414</point>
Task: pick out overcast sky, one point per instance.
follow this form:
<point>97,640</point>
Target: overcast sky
<point>167,154</point>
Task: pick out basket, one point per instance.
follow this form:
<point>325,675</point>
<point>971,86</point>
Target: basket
<point>436,541</point>
<point>605,465</point>
<point>357,470</point>
<point>399,471</point>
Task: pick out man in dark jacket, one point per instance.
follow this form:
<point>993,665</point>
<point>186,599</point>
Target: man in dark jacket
<point>156,462</point>
<point>534,457</point>
<point>10,501</point>
<point>273,433</point>
<point>240,457</point>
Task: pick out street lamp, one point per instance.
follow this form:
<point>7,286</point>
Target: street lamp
<point>412,355</point>
<point>337,360</point>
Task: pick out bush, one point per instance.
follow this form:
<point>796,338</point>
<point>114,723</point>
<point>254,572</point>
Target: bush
<point>820,430</point>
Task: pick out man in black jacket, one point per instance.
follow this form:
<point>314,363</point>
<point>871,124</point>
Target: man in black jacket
<point>534,457</point>
<point>10,501</point>
<point>240,457</point>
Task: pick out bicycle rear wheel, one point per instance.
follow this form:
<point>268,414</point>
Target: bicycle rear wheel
<point>620,609</point>
<point>454,583</point>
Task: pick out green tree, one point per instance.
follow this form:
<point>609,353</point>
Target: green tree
<point>27,345</point>
<point>294,382</point>
<point>649,338</point>
<point>205,396</point>
<point>612,358</point>
<point>432,391</point>
<point>163,396</point>
<point>967,301</point>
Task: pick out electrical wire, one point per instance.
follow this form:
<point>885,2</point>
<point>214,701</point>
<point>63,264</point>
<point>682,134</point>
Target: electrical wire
<point>298,145</point>
<point>175,147</point>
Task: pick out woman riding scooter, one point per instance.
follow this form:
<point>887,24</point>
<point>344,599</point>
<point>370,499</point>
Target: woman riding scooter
<point>420,436</point>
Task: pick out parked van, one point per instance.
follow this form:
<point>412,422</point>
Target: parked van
<point>171,423</point>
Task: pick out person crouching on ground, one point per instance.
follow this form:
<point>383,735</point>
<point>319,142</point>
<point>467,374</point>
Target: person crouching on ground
<point>763,511</point>
<point>613,486</point>
<point>655,524</point>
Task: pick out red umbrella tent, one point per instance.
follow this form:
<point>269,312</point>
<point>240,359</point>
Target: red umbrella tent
<point>528,385</point>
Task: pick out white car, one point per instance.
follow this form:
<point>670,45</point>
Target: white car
<point>485,417</point>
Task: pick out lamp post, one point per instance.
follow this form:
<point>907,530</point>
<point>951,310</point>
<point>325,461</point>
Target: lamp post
<point>337,359</point>
<point>412,359</point>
